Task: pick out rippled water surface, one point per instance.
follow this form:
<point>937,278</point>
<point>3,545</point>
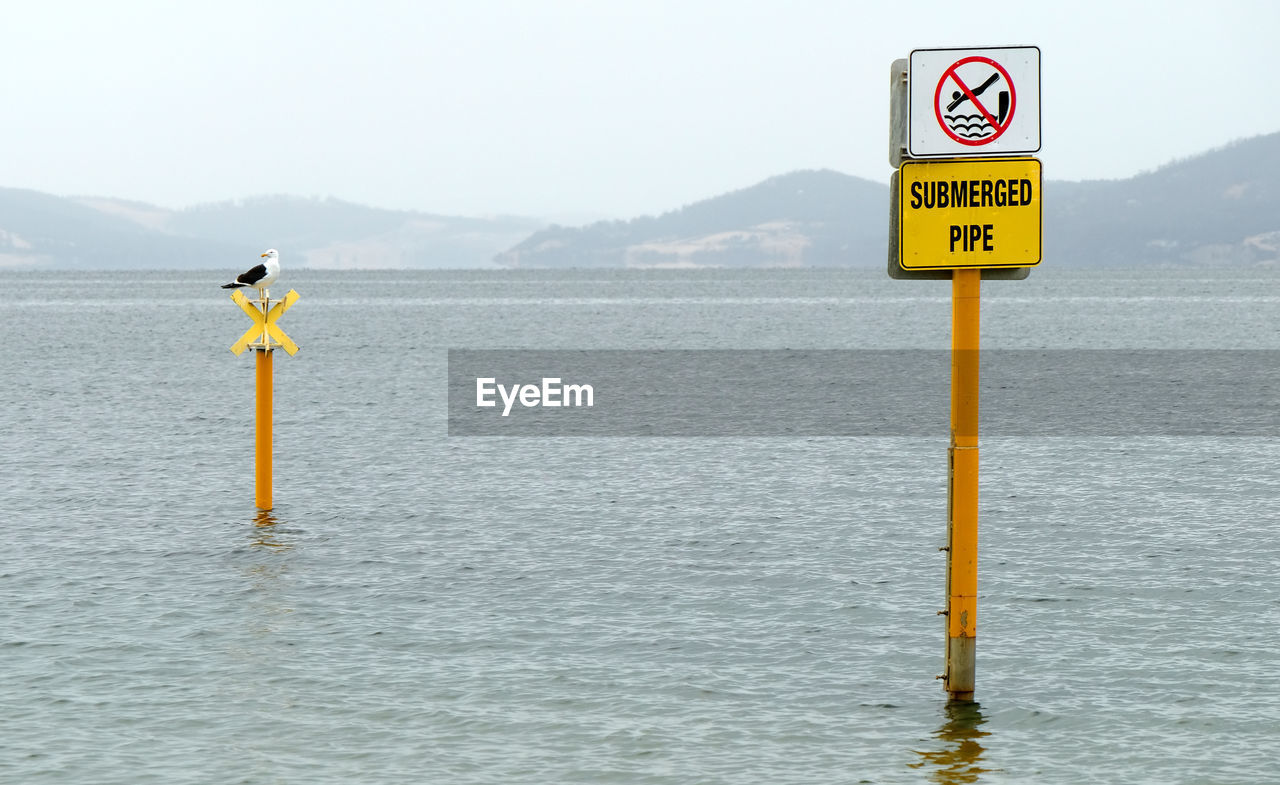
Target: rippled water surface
<point>420,608</point>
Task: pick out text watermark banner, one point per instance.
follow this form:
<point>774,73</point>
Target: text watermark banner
<point>814,393</point>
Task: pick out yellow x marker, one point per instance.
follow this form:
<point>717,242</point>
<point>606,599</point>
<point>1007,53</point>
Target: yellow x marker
<point>264,325</point>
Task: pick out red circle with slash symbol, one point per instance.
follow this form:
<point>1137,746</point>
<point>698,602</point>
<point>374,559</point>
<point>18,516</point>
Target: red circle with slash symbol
<point>967,113</point>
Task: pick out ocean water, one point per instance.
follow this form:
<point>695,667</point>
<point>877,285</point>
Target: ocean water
<point>427,608</point>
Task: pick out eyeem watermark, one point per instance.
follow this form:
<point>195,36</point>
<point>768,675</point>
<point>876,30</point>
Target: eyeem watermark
<point>860,392</point>
<point>551,393</point>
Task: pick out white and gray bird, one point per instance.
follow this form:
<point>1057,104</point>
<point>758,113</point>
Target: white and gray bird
<point>259,276</point>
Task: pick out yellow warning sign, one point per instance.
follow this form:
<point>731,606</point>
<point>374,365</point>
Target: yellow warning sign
<point>264,329</point>
<point>971,213</point>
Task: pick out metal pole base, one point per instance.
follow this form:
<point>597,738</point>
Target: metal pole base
<point>961,664</point>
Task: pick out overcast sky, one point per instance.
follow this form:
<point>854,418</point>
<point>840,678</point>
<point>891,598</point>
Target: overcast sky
<point>567,109</point>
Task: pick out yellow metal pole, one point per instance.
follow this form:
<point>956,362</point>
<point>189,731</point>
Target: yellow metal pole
<point>262,431</point>
<point>962,490</point>
<point>260,337</point>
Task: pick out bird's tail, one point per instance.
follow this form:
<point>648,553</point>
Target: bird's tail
<point>233,285</point>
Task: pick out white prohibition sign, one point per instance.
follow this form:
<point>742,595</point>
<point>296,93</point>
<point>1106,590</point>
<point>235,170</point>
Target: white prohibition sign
<point>976,102</point>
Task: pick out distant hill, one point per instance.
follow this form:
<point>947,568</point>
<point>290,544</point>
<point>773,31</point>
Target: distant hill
<point>802,218</point>
<point>1222,207</point>
<point>39,230</point>
<point>1219,208</point>
<point>335,234</point>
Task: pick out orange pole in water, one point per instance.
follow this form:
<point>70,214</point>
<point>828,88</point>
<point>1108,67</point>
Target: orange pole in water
<point>263,337</point>
<point>262,431</point>
<point>962,487</point>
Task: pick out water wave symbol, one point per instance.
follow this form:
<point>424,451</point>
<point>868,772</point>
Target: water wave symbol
<point>970,126</point>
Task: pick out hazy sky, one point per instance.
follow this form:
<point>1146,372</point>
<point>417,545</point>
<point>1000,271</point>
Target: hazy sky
<point>554,108</point>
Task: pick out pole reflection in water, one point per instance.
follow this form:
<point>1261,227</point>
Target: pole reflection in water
<point>267,608</point>
<point>266,535</point>
<point>960,759</point>
<point>269,550</point>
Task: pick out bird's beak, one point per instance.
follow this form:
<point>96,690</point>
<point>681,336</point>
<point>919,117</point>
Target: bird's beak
<point>261,255</point>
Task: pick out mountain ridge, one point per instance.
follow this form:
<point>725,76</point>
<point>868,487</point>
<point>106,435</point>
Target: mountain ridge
<point>793,219</point>
<point>39,230</point>
<point>1221,207</point>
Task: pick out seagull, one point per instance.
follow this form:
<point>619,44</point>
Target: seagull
<point>259,276</point>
